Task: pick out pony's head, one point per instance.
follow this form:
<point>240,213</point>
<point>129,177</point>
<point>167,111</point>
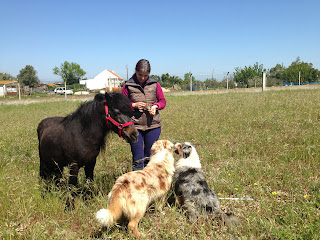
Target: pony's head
<point>119,110</point>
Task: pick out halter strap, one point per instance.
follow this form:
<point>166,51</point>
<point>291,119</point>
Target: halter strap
<point>114,122</point>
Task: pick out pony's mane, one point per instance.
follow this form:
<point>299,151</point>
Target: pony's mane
<point>84,113</point>
<point>86,110</point>
<point>120,101</point>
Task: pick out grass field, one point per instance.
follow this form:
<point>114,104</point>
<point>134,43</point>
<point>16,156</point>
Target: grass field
<point>265,146</point>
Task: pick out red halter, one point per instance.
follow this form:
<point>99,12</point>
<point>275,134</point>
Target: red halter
<point>119,125</point>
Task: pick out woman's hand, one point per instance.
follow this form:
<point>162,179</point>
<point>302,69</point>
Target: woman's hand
<point>153,110</point>
<point>139,105</point>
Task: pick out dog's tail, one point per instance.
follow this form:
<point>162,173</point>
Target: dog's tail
<point>107,217</point>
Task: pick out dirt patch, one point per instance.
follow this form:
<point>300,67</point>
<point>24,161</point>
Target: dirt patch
<point>7,100</point>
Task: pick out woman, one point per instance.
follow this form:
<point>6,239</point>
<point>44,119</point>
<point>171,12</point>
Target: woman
<point>147,99</point>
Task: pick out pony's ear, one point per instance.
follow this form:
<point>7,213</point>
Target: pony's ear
<point>107,97</point>
<point>99,97</point>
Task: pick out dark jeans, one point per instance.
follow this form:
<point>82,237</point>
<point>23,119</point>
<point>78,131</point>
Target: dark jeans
<point>142,148</point>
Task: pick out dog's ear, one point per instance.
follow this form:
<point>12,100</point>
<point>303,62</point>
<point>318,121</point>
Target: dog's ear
<point>178,148</point>
<point>158,145</point>
<point>155,146</point>
<point>167,144</point>
<point>193,144</point>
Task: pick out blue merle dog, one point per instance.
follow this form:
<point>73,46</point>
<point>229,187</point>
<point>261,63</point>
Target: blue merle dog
<point>191,189</point>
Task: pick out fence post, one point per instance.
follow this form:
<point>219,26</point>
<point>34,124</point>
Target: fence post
<point>190,81</point>
<point>227,80</point>
<point>264,81</point>
<point>19,90</point>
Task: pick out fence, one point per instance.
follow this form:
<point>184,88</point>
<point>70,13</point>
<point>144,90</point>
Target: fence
<point>289,84</point>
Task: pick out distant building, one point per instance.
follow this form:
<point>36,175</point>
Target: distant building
<point>41,88</point>
<point>8,88</point>
<point>103,80</point>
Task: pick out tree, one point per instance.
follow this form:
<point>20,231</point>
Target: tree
<point>156,77</point>
<point>308,74</point>
<point>28,76</point>
<point>165,80</point>
<point>70,73</point>
<point>6,77</point>
<point>211,83</point>
<point>277,71</point>
<point>242,76</point>
<point>173,80</point>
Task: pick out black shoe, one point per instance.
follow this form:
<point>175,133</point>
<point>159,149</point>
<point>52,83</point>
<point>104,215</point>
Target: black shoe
<point>146,161</point>
<point>140,164</point>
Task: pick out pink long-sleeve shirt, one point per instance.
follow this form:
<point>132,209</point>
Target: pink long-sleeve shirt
<point>160,96</point>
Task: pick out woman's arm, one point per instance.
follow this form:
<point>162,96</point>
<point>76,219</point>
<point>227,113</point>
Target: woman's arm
<point>160,97</point>
<point>138,105</point>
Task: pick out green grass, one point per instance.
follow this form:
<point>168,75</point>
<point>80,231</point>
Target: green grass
<point>260,145</point>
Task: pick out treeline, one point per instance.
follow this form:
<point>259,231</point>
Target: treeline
<point>189,81</point>
<point>249,76</point>
<point>71,73</point>
<point>27,76</point>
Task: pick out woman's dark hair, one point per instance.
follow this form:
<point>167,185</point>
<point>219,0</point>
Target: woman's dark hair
<point>143,66</point>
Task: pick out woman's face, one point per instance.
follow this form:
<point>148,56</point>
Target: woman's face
<point>142,76</point>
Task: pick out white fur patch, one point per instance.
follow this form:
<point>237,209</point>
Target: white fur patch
<point>104,217</point>
<point>192,161</point>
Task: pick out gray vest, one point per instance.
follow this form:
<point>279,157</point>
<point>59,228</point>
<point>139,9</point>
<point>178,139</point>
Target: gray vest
<point>143,120</point>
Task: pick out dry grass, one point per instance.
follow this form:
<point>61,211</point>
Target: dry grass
<point>260,145</point>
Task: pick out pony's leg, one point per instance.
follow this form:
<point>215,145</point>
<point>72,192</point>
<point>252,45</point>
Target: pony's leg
<point>88,169</point>
<point>50,171</point>
<point>73,182</point>
<point>73,178</point>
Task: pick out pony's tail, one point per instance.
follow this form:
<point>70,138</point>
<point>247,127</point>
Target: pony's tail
<point>107,217</point>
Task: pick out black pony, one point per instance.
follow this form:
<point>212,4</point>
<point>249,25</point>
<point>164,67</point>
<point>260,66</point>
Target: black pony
<point>76,140</point>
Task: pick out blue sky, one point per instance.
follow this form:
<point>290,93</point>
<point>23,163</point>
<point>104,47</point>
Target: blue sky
<point>175,36</point>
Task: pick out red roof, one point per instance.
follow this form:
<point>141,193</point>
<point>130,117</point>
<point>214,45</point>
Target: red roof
<point>7,82</point>
<point>115,74</point>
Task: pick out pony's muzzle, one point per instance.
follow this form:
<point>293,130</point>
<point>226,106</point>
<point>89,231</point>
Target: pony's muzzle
<point>130,134</point>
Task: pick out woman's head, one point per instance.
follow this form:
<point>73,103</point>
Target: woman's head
<point>143,66</point>
<point>143,70</point>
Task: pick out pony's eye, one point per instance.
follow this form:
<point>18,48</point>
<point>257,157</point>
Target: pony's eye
<point>117,111</point>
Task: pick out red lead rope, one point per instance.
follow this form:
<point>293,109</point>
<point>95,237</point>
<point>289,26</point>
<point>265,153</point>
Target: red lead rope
<point>109,118</point>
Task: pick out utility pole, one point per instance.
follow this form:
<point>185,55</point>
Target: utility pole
<point>190,81</point>
<point>227,80</point>
<point>212,78</point>
<point>299,77</point>
<point>127,72</point>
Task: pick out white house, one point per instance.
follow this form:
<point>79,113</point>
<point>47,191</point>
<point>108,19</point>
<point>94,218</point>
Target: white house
<point>104,79</point>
